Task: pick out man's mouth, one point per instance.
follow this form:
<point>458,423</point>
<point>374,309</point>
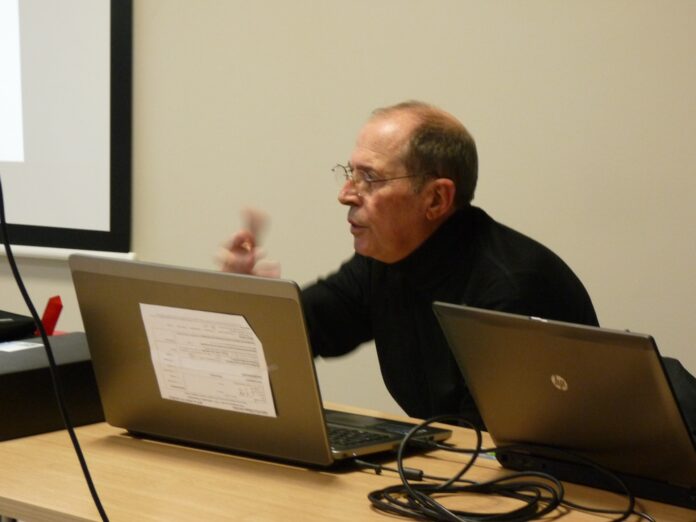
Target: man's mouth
<point>355,227</point>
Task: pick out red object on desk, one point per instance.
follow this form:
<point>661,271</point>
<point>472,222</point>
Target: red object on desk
<point>51,315</point>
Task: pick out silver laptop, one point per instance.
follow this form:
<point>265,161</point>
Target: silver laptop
<point>600,393</point>
<point>217,360</point>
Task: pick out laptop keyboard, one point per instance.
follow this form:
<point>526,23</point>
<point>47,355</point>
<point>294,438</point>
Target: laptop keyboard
<point>341,436</point>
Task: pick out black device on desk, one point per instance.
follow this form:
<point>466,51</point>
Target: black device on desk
<point>27,400</point>
<point>598,393</point>
<point>15,326</point>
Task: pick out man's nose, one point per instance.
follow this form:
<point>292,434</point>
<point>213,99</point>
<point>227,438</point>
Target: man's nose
<point>349,195</point>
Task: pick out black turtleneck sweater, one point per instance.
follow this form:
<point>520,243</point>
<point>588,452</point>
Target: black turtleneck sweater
<point>471,259</point>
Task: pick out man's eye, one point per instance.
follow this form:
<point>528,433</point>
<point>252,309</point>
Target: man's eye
<point>369,176</point>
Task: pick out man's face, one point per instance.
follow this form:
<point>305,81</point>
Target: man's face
<point>387,218</point>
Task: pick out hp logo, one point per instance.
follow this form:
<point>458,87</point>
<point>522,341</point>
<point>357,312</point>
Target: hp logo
<point>559,382</point>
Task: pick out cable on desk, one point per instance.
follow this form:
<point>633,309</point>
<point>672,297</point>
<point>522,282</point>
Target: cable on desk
<point>540,493</point>
<point>51,360</point>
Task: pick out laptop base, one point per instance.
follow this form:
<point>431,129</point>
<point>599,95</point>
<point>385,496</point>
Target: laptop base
<point>585,475</point>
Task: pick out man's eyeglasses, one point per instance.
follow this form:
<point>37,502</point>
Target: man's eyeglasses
<point>363,180</point>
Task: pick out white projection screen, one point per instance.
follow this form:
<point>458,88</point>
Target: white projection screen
<point>65,122</point>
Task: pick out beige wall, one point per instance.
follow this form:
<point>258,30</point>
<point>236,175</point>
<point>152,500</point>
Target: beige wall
<point>584,113</point>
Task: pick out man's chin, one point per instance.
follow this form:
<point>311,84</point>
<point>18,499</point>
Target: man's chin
<point>361,248</point>
<point>364,251</point>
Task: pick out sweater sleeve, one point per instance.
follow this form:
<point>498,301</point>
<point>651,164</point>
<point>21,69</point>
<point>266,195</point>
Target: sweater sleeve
<point>337,309</point>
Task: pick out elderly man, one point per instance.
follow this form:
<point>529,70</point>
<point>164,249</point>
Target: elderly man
<point>408,187</point>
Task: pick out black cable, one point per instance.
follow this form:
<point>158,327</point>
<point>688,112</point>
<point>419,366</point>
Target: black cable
<point>573,457</point>
<point>539,492</point>
<point>51,360</point>
<point>561,454</point>
<point>417,500</point>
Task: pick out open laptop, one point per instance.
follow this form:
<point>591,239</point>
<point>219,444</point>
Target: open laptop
<point>599,393</point>
<point>214,359</point>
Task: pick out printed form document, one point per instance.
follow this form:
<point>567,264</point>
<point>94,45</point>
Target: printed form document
<point>208,358</point>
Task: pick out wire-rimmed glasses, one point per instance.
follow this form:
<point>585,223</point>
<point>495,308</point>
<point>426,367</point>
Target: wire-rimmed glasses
<point>362,180</point>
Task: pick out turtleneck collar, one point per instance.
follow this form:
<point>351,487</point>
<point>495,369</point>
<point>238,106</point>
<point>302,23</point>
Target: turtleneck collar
<point>441,252</point>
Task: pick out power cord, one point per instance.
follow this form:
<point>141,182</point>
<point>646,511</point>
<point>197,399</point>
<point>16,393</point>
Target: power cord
<point>51,360</point>
<point>540,493</point>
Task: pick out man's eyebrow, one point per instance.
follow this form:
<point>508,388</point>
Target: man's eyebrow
<point>363,168</point>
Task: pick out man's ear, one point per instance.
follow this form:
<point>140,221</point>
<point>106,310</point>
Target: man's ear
<point>441,200</point>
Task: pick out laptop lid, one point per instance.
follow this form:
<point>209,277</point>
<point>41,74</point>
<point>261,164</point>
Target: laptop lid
<point>597,392</point>
<point>207,358</point>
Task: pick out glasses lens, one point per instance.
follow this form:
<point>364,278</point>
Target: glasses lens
<point>340,174</point>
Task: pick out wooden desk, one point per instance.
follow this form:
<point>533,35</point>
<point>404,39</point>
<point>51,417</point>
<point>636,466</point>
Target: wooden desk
<point>141,480</point>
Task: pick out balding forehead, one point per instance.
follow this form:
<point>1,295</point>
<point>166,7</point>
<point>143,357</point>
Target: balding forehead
<point>395,128</point>
<point>419,113</point>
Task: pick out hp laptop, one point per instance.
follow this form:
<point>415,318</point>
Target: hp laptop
<point>598,393</point>
<point>216,360</point>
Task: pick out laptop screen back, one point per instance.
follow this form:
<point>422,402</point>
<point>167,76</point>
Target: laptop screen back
<point>597,392</point>
<point>128,345</point>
